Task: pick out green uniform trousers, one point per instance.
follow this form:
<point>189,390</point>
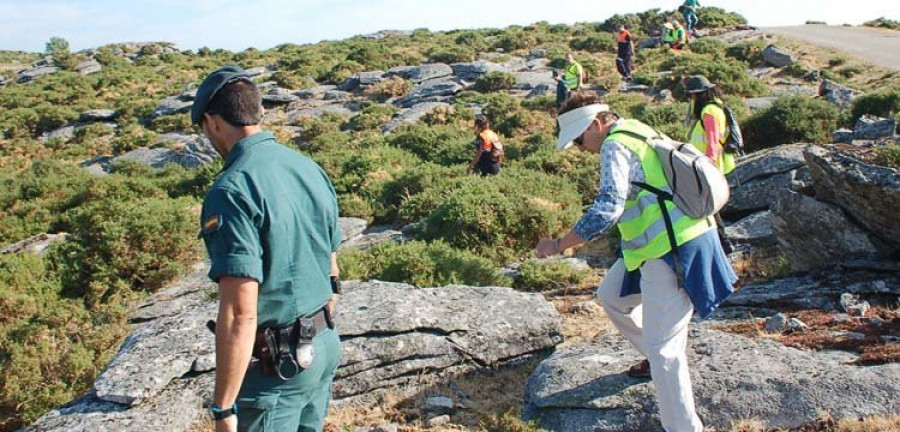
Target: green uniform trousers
<point>268,404</point>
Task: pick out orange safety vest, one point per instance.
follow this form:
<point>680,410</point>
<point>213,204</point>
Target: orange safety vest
<point>624,35</point>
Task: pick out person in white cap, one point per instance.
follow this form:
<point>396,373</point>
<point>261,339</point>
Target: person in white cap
<point>656,324</point>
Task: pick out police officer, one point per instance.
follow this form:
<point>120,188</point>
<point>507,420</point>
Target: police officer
<point>270,225</point>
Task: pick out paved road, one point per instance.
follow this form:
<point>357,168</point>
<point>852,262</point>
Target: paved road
<point>881,47</point>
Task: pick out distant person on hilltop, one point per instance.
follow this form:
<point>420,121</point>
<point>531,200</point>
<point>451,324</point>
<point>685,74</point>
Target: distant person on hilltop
<point>646,300</point>
<point>270,226</point>
<point>689,11</point>
<point>625,52</point>
<point>574,77</point>
<point>488,149</point>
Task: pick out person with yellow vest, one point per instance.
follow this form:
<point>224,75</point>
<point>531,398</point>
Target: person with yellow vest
<point>708,130</point>
<point>674,35</point>
<point>488,149</point>
<point>641,292</point>
<point>574,77</point>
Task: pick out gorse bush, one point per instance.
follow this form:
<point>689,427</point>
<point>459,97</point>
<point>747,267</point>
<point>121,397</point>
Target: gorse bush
<point>421,264</point>
<point>790,120</point>
<point>548,274</point>
<point>495,81</point>
<point>884,103</point>
<point>888,156</point>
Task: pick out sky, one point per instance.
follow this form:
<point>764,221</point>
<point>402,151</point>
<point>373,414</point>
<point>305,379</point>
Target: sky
<point>27,25</point>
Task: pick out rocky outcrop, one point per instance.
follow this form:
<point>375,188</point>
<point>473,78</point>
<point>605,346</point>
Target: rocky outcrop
<point>432,91</point>
<point>98,115</point>
<point>837,94</point>
<point>754,230</point>
<point>278,96</point>
<point>88,67</point>
<point>341,109</point>
<point>393,334</point>
<point>533,80</point>
<point>815,234</point>
<point>351,228</point>
<point>777,57</point>
<point>171,106</point>
<point>869,194</point>
<point>760,103</point>
<point>411,115</point>
<point>470,71</point>
<point>187,150</point>
<point>35,73</point>
<point>585,387</point>
<point>37,244</point>
<point>421,73</point>
<point>759,177</point>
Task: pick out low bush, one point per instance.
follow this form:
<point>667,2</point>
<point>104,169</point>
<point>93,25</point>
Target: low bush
<point>888,156</point>
<point>729,75</point>
<point>410,183</point>
<point>604,42</point>
<point>495,81</point>
<point>709,46</point>
<point>713,17</point>
<point>883,23</point>
<point>372,117</point>
<point>420,264</point>
<point>789,120</point>
<point>883,103</point>
<point>749,52</point>
<point>391,87</point>
<point>443,145</point>
<point>547,275</point>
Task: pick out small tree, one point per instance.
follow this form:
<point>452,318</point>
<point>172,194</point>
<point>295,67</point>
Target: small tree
<point>58,49</point>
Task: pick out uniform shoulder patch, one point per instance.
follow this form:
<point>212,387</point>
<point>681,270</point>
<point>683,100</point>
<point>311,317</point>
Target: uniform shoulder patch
<point>212,223</point>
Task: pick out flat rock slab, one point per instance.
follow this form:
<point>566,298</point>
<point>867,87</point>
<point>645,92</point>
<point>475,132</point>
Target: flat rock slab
<point>768,162</point>
<point>585,387</point>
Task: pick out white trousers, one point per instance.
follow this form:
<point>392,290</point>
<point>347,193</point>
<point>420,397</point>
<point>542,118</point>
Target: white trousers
<point>656,323</point>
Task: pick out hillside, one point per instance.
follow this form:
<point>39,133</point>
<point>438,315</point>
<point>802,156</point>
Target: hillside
<point>97,147</point>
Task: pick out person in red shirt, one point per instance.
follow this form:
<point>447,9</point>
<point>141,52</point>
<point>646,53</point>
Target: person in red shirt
<point>488,149</point>
<point>625,53</point>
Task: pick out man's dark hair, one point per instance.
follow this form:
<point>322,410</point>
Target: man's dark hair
<point>580,99</point>
<point>703,99</point>
<point>238,103</point>
<point>482,121</point>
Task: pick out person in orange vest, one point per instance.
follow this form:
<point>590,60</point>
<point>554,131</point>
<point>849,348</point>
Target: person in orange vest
<point>488,149</point>
<point>625,52</point>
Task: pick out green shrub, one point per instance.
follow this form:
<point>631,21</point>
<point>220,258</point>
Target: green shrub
<point>450,55</point>
<point>604,42</point>
<point>502,215</point>
<point>495,81</point>
<point>515,40</point>
<point>58,49</point>
<point>749,52</point>
<point>791,120</point>
<point>709,46</point>
<point>372,117</point>
<point>410,183</point>
<point>353,205</point>
<point>420,264</point>
<point>883,23</point>
<point>729,75</point>
<point>51,348</point>
<point>883,103</point>
<point>713,17</point>
<point>888,156</point>
<point>837,61</point>
<point>548,274</point>
<point>117,245</point>
<point>850,71</point>
<point>443,145</point>
<point>797,69</point>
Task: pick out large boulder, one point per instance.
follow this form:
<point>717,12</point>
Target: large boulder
<point>837,94</point>
<point>422,73</point>
<point>411,115</point>
<point>815,234</point>
<point>768,162</point>
<point>760,103</point>
<point>432,91</point>
<point>470,71</point>
<point>351,228</point>
<point>533,80</point>
<point>341,109</point>
<point>88,67</point>
<point>275,96</point>
<point>871,127</point>
<point>869,194</point>
<point>777,57</point>
<point>585,388</point>
<point>759,177</point>
<point>754,230</point>
<point>393,334</point>
<point>35,73</point>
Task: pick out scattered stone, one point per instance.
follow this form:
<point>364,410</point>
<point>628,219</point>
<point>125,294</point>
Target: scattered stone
<point>662,96</point>
<point>387,427</point>
<point>776,323</point>
<point>98,115</point>
<point>294,117</point>
<point>37,244</point>
<point>777,57</point>
<point>871,127</point>
<point>851,304</point>
<point>351,228</point>
<point>439,404</point>
<point>438,421</point>
<point>795,325</point>
<point>537,64</point>
<point>63,134</point>
<point>762,72</point>
<point>35,73</point>
<point>812,76</point>
<point>336,95</point>
<point>634,88</point>
<point>541,90</point>
<point>837,94</point>
<point>171,106</point>
<point>315,92</point>
<point>815,234</point>
<point>278,96</point>
<point>587,307</point>
<point>88,67</point>
<point>537,53</point>
<point>188,95</point>
<point>760,103</point>
<point>842,136</point>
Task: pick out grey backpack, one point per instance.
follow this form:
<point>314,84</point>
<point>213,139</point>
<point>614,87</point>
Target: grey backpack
<point>699,189</point>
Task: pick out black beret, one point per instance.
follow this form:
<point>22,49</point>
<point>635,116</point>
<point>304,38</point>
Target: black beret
<point>211,85</point>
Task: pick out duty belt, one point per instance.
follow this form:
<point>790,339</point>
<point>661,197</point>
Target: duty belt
<point>272,346</point>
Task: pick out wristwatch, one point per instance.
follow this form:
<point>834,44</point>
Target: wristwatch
<point>336,285</point>
<point>221,414</point>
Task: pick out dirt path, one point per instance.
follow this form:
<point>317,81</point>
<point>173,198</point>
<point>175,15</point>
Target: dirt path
<point>881,47</point>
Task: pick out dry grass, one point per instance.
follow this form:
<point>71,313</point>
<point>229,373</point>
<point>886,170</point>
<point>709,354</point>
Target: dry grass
<point>826,423</point>
<point>761,265</point>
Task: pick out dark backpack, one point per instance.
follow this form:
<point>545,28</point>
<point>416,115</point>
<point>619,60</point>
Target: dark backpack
<point>734,142</point>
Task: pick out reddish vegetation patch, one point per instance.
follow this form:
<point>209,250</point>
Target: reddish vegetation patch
<point>837,331</point>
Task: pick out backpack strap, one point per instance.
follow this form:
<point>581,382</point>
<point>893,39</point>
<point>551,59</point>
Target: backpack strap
<point>661,198</point>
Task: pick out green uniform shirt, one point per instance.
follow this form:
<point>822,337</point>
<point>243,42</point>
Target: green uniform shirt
<point>272,215</point>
